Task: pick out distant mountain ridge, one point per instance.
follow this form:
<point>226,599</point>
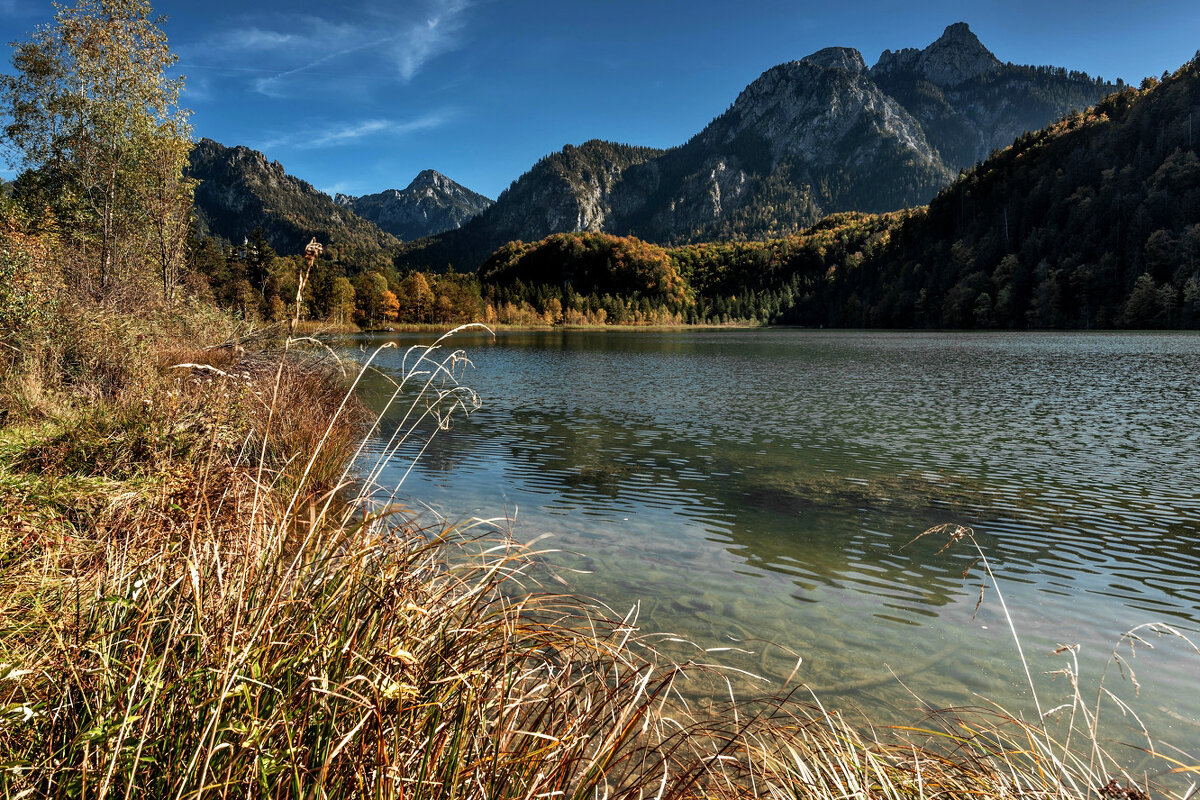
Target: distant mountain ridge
<point>431,204</point>
<point>240,191</point>
<point>571,190</point>
<point>808,138</point>
<point>811,137</point>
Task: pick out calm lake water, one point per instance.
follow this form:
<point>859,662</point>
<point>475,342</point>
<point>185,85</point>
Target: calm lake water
<point>762,485</point>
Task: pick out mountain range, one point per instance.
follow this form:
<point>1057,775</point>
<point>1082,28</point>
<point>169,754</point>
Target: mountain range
<point>808,138</point>
<point>240,191</point>
<point>1092,222</point>
<point>820,135</point>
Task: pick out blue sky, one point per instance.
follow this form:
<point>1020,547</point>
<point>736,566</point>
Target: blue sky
<point>358,97</point>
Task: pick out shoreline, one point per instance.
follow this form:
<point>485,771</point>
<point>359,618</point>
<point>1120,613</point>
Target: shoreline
<point>209,549</point>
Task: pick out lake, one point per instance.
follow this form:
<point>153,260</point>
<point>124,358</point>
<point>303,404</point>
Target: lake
<point>749,486</point>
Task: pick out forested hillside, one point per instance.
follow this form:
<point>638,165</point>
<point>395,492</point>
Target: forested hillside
<point>1093,222</point>
<point>239,190</point>
<point>565,191</point>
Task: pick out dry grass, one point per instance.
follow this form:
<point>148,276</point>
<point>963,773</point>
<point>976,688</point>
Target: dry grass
<point>233,617</point>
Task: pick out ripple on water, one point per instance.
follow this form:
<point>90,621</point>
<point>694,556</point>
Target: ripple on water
<point>770,482</point>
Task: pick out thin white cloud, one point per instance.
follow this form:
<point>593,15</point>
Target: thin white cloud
<point>274,85</point>
<point>298,46</point>
<point>345,133</point>
<point>371,127</point>
<point>437,34</point>
<point>297,34</point>
<point>257,39</point>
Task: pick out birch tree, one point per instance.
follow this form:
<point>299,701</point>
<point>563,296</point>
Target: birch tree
<point>93,114</point>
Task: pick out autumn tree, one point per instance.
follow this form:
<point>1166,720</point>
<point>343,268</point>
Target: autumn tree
<point>165,196</point>
<point>369,289</point>
<point>416,297</point>
<point>389,306</point>
<point>341,301</point>
<point>91,112</point>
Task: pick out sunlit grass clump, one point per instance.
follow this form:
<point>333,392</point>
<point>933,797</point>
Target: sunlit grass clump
<point>238,613</point>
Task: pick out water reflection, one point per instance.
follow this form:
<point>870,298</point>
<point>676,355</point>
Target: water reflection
<point>755,485</point>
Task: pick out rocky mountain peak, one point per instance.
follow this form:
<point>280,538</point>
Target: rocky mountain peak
<point>432,203</point>
<point>960,32</point>
<point>846,58</point>
<point>956,57</point>
<point>431,179</point>
<point>818,110</point>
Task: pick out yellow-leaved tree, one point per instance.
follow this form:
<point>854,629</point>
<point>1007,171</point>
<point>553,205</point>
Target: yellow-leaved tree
<point>94,119</point>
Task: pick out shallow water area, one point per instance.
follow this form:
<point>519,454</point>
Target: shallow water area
<point>749,486</point>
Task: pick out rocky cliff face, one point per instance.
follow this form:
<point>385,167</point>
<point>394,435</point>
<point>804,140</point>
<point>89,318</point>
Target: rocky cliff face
<point>241,190</point>
<point>571,190</point>
<point>431,204</point>
<point>574,189</point>
<point>969,103</point>
<point>955,58</point>
<point>808,137</point>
